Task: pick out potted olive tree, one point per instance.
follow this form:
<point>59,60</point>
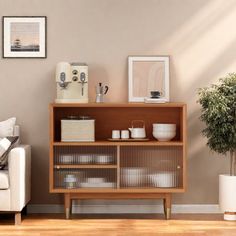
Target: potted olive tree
<point>219,114</point>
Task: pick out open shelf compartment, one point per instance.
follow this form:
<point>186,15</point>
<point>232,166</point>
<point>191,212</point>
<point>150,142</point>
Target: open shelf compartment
<point>120,117</point>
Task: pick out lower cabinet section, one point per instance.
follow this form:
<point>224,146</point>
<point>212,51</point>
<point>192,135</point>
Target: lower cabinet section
<point>118,172</point>
<point>118,167</point>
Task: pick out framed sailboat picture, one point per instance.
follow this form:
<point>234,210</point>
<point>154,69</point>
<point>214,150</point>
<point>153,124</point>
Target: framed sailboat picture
<point>24,36</point>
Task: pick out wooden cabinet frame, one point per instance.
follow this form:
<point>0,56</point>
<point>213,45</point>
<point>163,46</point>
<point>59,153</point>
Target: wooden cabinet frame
<point>110,116</point>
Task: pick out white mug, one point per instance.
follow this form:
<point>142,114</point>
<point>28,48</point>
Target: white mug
<point>124,134</point>
<point>115,134</point>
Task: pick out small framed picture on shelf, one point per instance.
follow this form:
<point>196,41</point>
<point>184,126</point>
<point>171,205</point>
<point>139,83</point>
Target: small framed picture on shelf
<point>24,37</point>
<point>148,78</point>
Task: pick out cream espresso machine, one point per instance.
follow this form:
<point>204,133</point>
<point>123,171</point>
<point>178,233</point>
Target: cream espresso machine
<point>72,82</point>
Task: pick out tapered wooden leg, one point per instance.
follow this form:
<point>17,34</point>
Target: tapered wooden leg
<point>168,213</point>
<point>17,218</point>
<point>67,205</point>
<point>164,206</point>
<point>168,206</point>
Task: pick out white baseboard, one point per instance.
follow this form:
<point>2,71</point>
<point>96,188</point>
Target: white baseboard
<point>124,209</point>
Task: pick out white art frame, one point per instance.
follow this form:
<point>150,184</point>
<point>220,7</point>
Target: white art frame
<point>131,76</point>
<point>24,36</point>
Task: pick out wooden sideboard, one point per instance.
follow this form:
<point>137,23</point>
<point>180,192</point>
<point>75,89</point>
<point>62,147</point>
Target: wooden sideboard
<point>127,174</point>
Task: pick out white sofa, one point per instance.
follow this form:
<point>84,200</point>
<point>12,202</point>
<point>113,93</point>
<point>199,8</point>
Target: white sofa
<point>15,181</point>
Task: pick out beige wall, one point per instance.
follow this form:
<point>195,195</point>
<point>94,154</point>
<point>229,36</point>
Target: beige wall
<point>199,35</point>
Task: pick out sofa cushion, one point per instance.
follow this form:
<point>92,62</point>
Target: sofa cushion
<point>7,127</point>
<point>6,144</point>
<point>4,179</point>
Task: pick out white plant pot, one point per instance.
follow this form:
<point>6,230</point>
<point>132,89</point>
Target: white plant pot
<point>227,196</point>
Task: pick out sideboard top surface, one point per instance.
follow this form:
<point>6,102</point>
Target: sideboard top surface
<point>169,104</point>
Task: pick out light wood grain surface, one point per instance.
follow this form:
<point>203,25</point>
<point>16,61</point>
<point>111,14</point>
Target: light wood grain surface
<point>130,104</point>
<point>117,225</point>
<point>120,116</point>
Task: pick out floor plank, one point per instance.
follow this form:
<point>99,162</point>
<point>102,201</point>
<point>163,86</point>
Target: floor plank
<point>118,225</point>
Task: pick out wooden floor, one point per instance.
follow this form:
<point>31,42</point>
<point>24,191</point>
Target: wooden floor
<point>117,225</point>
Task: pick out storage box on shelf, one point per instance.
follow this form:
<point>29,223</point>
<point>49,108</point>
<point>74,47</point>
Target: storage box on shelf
<point>105,169</point>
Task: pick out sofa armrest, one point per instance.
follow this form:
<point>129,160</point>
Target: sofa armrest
<point>19,166</point>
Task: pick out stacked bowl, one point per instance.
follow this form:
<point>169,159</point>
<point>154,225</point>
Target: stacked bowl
<point>164,179</point>
<point>133,177</point>
<point>164,132</point>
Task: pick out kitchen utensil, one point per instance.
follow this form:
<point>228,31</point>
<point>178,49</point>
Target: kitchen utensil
<point>103,159</point>
<point>124,134</point>
<point>164,127</point>
<point>164,135</point>
<point>164,132</point>
<point>133,177</point>
<point>95,180</point>
<point>85,159</point>
<point>100,92</point>
<point>164,179</point>
<point>137,132</point>
<point>155,94</point>
<point>115,134</point>
<point>72,82</point>
<point>66,159</point>
<point>155,100</point>
<point>70,181</point>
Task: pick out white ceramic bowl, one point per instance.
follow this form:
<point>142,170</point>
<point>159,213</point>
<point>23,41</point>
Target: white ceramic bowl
<point>164,135</point>
<point>133,171</point>
<point>163,179</point>
<point>95,180</point>
<point>103,159</point>
<point>132,180</point>
<point>133,177</point>
<point>84,159</point>
<point>66,159</point>
<point>164,127</point>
